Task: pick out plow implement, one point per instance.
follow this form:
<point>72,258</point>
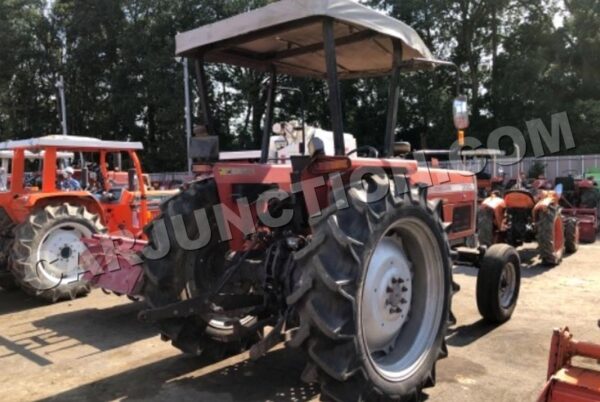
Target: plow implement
<point>567,382</point>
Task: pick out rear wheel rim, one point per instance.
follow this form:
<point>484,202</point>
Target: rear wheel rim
<point>507,285</point>
<point>410,252</point>
<point>59,251</point>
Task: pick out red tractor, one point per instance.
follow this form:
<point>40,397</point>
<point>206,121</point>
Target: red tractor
<point>57,191</point>
<point>347,257</point>
<point>524,215</point>
<point>581,200</point>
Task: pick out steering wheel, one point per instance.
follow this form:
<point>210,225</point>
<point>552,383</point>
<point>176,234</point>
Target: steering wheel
<point>372,152</point>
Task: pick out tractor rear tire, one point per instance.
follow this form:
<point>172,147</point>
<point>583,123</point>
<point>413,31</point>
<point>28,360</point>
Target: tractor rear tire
<point>485,226</point>
<point>355,251</point>
<point>571,235</point>
<point>52,234</point>
<point>183,274</point>
<point>498,283</point>
<point>550,236</point>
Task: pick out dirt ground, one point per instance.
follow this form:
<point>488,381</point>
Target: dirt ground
<point>94,349</point>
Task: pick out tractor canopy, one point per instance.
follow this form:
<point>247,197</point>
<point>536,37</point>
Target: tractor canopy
<point>289,36</point>
<point>322,39</point>
<point>70,142</point>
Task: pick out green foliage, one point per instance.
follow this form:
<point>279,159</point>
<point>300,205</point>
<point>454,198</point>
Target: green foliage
<point>536,170</point>
<point>123,80</point>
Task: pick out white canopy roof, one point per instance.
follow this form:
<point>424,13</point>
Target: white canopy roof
<point>71,142</point>
<point>289,35</point>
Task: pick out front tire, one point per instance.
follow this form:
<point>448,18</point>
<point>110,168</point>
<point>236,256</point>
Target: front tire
<point>374,298</point>
<point>485,226</point>
<point>183,274</point>
<point>46,251</point>
<point>550,236</point>
<point>571,235</point>
<point>498,283</point>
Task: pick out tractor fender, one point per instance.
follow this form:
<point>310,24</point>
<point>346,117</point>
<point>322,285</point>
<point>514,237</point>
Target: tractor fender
<point>498,206</point>
<point>41,201</point>
<point>543,205</point>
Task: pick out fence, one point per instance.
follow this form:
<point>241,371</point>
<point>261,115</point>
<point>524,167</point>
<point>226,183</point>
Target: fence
<point>555,166</point>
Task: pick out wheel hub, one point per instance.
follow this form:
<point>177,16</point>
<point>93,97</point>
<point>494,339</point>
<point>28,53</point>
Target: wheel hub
<point>507,285</point>
<point>388,294</point>
<point>58,253</point>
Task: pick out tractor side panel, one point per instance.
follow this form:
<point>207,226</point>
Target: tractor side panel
<point>458,193</point>
<point>231,177</point>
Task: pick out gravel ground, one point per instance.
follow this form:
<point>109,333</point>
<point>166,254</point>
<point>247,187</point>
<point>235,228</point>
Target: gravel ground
<point>94,349</point>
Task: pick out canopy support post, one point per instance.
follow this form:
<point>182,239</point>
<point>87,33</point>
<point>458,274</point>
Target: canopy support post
<point>335,99</point>
<point>264,149</point>
<point>203,95</point>
<point>393,101</point>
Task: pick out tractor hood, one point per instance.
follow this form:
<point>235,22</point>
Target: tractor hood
<point>289,35</point>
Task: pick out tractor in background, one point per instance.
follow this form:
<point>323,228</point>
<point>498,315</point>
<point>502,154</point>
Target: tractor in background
<point>581,200</point>
<point>525,215</point>
<point>43,224</point>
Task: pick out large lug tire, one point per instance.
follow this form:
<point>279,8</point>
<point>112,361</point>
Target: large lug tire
<point>571,235</point>
<point>498,283</point>
<point>374,298</point>
<point>46,250</point>
<point>7,280</point>
<point>550,236</point>
<point>184,274</point>
<point>485,226</point>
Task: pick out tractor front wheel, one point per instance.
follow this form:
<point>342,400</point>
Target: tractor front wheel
<point>374,298</point>
<point>185,273</point>
<point>498,283</point>
<point>46,251</point>
<point>550,235</point>
<point>571,235</point>
<point>485,226</point>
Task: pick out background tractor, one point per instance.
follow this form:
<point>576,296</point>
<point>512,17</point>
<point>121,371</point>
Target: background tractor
<point>43,225</point>
<point>361,279</point>
<point>521,216</point>
<point>581,200</point>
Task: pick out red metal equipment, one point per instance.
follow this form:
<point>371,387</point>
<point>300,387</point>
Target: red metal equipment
<point>114,264</point>
<point>566,382</point>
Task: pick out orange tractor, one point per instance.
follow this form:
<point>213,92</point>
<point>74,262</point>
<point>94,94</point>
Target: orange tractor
<point>346,256</point>
<point>44,221</point>
<point>529,215</point>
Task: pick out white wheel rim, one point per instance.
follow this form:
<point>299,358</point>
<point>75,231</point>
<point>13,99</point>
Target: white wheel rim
<point>408,251</point>
<point>59,252</point>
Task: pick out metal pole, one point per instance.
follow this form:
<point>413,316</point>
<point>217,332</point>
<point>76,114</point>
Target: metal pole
<point>60,84</point>
<point>264,149</point>
<point>335,98</point>
<point>203,95</point>
<point>393,101</point>
<point>188,112</point>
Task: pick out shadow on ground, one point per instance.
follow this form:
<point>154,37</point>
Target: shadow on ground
<point>467,334</point>
<point>275,378</point>
<point>15,301</point>
<point>102,329</point>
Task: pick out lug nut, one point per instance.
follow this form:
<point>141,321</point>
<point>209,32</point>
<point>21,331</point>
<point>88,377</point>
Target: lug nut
<point>403,301</point>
